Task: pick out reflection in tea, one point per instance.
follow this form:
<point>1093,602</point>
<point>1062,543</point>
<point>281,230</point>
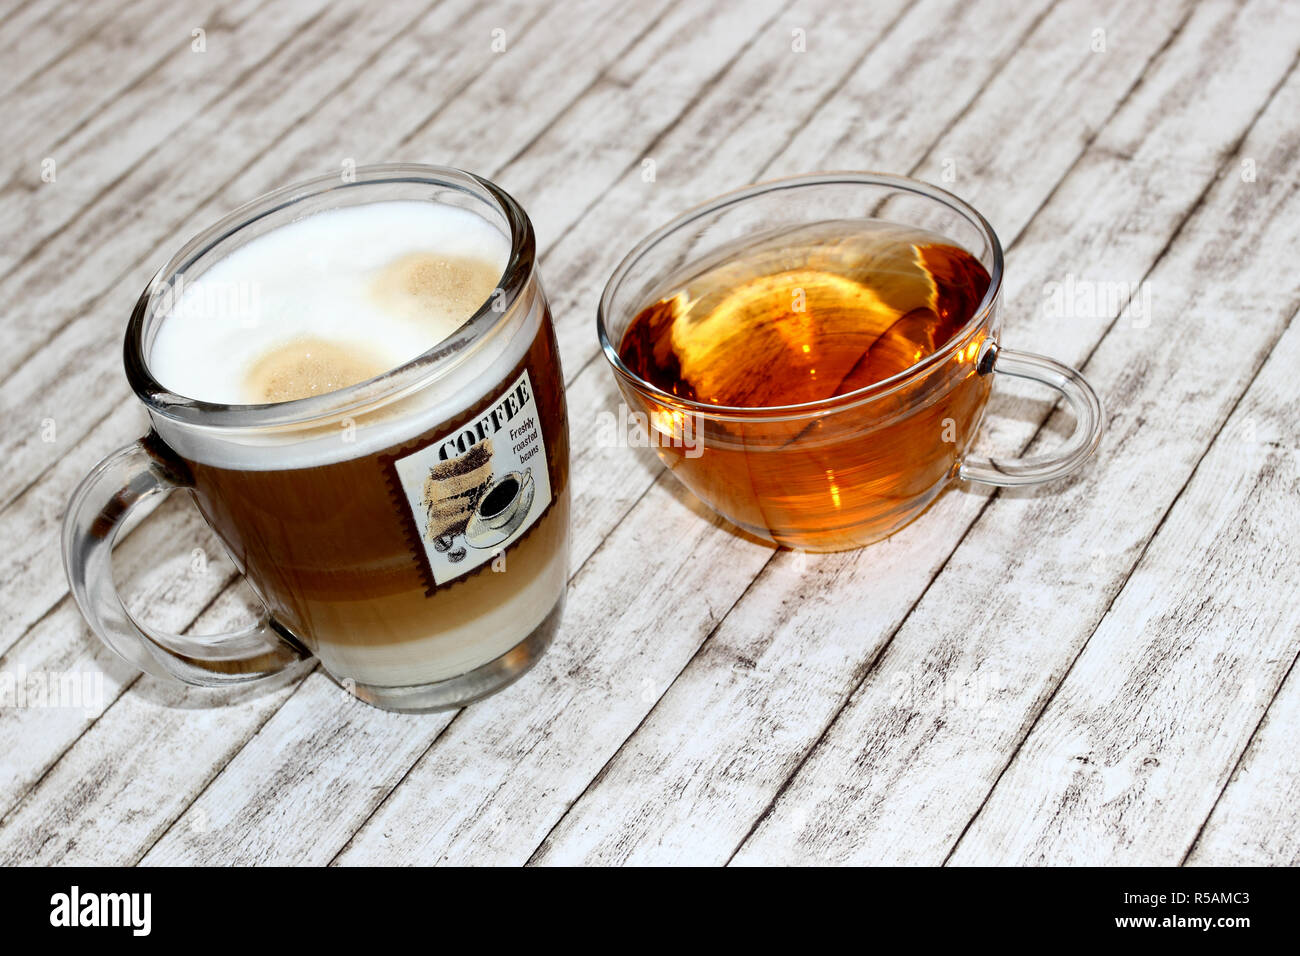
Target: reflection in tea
<point>807,314</point>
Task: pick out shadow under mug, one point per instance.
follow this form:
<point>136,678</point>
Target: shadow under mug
<point>852,469</point>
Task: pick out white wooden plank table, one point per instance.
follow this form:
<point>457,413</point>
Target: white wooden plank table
<point>1100,671</point>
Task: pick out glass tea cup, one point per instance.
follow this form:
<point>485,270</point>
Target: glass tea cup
<point>844,471</point>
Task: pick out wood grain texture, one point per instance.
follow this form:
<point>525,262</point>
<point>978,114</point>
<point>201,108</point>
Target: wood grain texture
<point>883,766</point>
<point>91,807</point>
<point>768,113</point>
<point>545,734</point>
<point>1171,685</point>
<point>778,690</point>
<point>94,142</point>
<point>1253,820</point>
<point>676,31</point>
<point>681,25</point>
<point>577,403</point>
<point>1092,672</point>
<point>66,328</point>
<point>404,802</point>
<point>371,112</point>
<point>525,56</point>
<point>36,37</point>
<point>167,590</point>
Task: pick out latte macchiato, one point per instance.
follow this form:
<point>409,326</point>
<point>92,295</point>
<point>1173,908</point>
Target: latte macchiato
<point>361,388</point>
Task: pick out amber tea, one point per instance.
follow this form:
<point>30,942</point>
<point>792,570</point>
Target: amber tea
<point>808,314</point>
<point>818,379</point>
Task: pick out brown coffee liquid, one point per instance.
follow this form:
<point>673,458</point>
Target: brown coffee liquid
<point>805,315</point>
<point>334,552</point>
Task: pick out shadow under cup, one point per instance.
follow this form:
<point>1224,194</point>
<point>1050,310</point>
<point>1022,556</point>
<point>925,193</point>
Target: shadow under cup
<point>847,471</point>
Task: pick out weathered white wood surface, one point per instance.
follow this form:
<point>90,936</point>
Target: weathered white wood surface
<point>1092,672</point>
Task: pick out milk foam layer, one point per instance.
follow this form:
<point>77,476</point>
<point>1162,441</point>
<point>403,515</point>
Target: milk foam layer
<point>346,277</point>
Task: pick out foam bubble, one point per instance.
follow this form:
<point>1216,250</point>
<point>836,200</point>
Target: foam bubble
<point>309,366</point>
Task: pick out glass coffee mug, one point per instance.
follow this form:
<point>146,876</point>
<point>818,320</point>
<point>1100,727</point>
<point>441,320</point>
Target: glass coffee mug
<point>411,530</point>
<point>848,469</point>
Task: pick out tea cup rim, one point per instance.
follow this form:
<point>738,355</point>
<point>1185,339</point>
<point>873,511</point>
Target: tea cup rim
<point>835,403</point>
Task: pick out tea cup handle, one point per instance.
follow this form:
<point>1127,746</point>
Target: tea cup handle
<point>1080,397</point>
<point>99,507</point>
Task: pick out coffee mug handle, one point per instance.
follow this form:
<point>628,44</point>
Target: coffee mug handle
<point>1078,394</point>
<point>99,507</point>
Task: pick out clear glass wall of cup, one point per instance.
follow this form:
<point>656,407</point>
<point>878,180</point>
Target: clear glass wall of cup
<point>316,499</point>
<point>850,470</point>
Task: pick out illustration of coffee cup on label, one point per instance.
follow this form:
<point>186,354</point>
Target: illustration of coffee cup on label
<point>500,510</point>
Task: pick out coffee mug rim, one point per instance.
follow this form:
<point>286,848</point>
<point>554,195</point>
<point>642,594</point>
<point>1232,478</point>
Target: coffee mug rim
<point>407,378</point>
<point>813,409</point>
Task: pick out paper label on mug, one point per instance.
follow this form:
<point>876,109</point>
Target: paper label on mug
<point>476,489</point>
